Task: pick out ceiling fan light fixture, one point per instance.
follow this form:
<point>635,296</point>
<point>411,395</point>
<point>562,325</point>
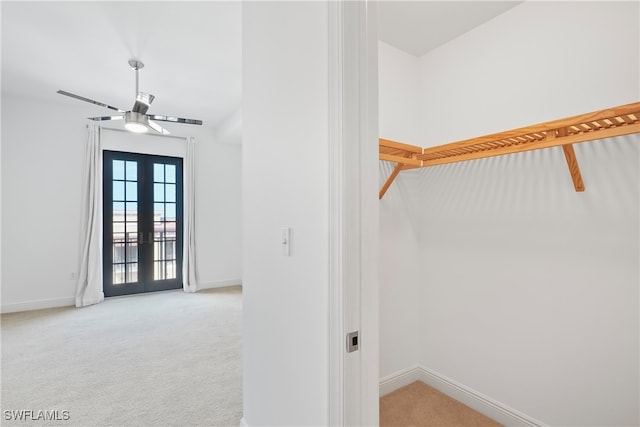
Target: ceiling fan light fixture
<point>136,122</point>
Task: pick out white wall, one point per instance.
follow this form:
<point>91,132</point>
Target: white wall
<point>219,213</point>
<point>399,290</point>
<point>539,61</point>
<point>399,105</point>
<point>530,293</point>
<point>285,184</point>
<point>41,187</point>
<point>41,171</point>
<point>529,290</point>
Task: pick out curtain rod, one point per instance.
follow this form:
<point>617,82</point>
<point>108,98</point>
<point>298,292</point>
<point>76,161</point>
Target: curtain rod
<point>148,134</point>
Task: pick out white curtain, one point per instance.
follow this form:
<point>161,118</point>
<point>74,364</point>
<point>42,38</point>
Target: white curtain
<point>89,287</point>
<point>189,267</point>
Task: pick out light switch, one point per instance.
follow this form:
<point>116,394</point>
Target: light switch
<point>285,237</point>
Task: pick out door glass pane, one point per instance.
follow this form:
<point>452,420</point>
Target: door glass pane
<point>170,193</point>
<point>118,169</point>
<point>132,211</point>
<point>118,273</point>
<point>158,231</point>
<point>170,250</point>
<point>170,173</point>
<point>132,191</point>
<point>157,251</point>
<point>132,171</point>
<point>158,192</point>
<point>158,270</point>
<point>158,211</point>
<point>118,252</point>
<point>118,211</point>
<point>118,190</point>
<point>158,172</point>
<point>132,231</point>
<point>170,269</point>
<point>170,212</point>
<point>170,230</point>
<point>132,252</point>
<point>132,272</point>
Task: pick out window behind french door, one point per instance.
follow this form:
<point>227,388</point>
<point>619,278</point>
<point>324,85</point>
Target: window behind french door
<point>143,216</point>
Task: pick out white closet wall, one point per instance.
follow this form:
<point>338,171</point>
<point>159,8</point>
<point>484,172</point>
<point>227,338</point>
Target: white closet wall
<point>399,289</point>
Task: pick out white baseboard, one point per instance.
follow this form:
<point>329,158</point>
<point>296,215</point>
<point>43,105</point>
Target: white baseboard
<point>38,305</point>
<point>399,379</point>
<point>243,422</point>
<point>71,301</point>
<point>484,404</point>
<point>219,284</point>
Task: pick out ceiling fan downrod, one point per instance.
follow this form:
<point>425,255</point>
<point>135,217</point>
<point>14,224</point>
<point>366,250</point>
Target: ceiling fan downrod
<point>136,65</point>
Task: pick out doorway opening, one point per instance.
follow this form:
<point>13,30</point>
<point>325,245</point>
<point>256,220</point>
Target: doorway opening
<point>143,223</point>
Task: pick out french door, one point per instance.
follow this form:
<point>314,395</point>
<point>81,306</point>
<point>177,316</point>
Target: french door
<point>143,215</point>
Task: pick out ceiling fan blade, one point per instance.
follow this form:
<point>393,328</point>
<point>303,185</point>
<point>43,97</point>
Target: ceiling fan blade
<point>82,98</point>
<point>158,128</point>
<point>143,101</point>
<point>174,119</point>
<point>106,118</point>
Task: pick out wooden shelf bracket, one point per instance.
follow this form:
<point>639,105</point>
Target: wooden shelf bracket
<point>389,180</point>
<point>405,156</point>
<point>570,156</point>
<point>574,169</point>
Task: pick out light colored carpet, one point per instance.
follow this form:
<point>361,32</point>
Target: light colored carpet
<point>418,404</point>
<point>158,359</point>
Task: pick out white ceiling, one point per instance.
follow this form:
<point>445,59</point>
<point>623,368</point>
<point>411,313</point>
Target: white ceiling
<point>417,27</point>
<point>192,53</point>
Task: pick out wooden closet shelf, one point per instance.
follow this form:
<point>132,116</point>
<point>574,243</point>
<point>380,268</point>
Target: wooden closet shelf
<point>616,121</point>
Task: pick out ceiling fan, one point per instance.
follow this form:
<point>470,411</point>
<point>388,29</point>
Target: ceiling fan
<point>136,120</point>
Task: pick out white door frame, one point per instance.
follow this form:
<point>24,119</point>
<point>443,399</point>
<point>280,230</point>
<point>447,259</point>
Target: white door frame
<point>353,212</point>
